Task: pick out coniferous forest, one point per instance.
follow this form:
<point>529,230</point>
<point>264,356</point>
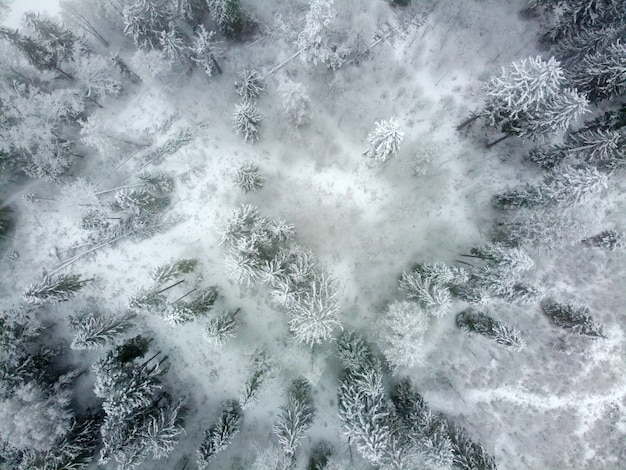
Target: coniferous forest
<point>313,234</point>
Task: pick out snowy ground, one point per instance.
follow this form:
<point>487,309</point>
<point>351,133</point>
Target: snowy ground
<point>558,404</point>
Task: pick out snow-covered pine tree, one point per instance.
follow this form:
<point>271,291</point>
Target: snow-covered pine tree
<point>93,330</point>
<point>472,321</point>
<point>607,240</point>
<point>247,120</point>
<point>468,455</point>
<point>59,42</point>
<point>428,291</point>
<point>313,314</point>
<point>250,84</point>
<point>295,418</point>
<point>384,141</point>
<point>171,271</point>
<point>515,259</point>
<point>219,436</point>
<point>162,427</point>
<point>425,433</point>
<point>124,69</point>
<point>258,370</point>
<point>575,319</point>
<point>193,12</point>
<point>141,200</point>
<point>602,74</point>
<point>228,16</point>
<point>363,405</point>
<point>249,178</point>
<point>402,330</point>
<point>173,46</point>
<point>204,51</point>
<point>314,43</point>
<point>603,148</point>
<point>53,289</point>
<point>143,22</point>
<point>320,455</point>
<point>529,100</point>
<point>179,312</point>
<point>96,75</point>
<point>221,328</point>
<point>295,102</point>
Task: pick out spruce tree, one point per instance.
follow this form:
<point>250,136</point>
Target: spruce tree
<point>219,436</point>
<point>607,240</point>
<point>250,84</point>
<point>228,16</point>
<point>385,140</point>
<point>258,371</point>
<point>94,330</point>
<point>249,178</point>
<point>473,321</point>
<point>575,319</point>
<point>221,328</point>
<point>295,418</point>
<point>204,51</point>
<point>427,290</point>
<point>247,121</point>
<point>54,289</point>
<point>402,330</point>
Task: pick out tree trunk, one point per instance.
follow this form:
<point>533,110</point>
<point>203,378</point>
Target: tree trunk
<point>497,141</point>
<point>467,122</point>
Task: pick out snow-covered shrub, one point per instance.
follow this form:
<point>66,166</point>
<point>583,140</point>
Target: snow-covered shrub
<point>295,102</point>
<point>384,141</point>
<point>472,321</point>
<point>247,121</point>
<point>607,240</point>
<point>250,84</point>
<point>402,330</point>
<point>219,436</point>
<point>249,178</point>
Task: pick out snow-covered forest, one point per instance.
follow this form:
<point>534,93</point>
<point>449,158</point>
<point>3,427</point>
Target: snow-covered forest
<point>313,234</point>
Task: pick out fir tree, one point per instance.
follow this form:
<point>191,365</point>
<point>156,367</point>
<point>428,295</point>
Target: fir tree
<point>529,99</point>
<point>94,330</point>
<point>168,272</point>
<point>250,84</point>
<point>173,45</point>
<point>249,178</point>
<point>221,328</point>
<point>575,319</point>
<point>54,289</point>
<point>295,418</point>
<point>472,321</point>
<point>58,41</point>
<point>430,293</point>
<point>295,102</point>
<point>602,74</point>
<point>204,50</point>
<point>385,140</point>
<point>258,371</point>
<point>143,22</point>
<point>96,75</point>
<point>607,240</point>
<point>247,120</point>
<point>402,330</point>
<point>228,16</point>
<point>219,436</point>
<point>468,455</point>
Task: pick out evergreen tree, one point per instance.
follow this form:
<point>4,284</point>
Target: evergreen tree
<point>222,327</point>
<point>96,75</point>
<point>602,74</point>
<point>58,41</point>
<point>402,330</point>
<point>295,418</point>
<point>173,45</point>
<point>171,271</point>
<point>219,436</point>
<point>249,178</point>
<point>575,319</point>
<point>295,102</point>
<point>250,84</point>
<point>247,120</point>
<point>429,292</point>
<point>472,321</point>
<point>468,455</point>
<point>320,455</point>
<point>258,370</point>
<point>144,20</point>
<point>385,140</point>
<point>529,99</point>
<point>94,330</point>
<point>607,240</point>
<point>228,16</point>
<point>203,51</point>
<point>193,11</point>
<point>54,289</point>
